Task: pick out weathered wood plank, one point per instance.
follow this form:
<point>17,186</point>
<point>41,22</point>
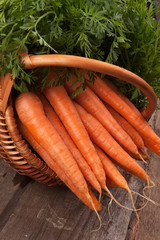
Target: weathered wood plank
<point>43,212</point>
<point>149,225</point>
<point>11,187</point>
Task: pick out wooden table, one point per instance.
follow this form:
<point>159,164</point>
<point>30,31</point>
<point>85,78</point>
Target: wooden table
<point>34,211</point>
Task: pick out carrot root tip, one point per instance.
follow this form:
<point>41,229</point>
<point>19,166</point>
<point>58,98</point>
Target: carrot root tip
<point>142,158</point>
<point>147,198</point>
<point>100,195</point>
<point>133,204</point>
<point>100,221</point>
<point>109,208</point>
<point>118,203</point>
<point>145,152</point>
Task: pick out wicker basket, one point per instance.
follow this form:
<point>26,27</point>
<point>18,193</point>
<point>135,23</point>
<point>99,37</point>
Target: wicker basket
<point>13,148</point>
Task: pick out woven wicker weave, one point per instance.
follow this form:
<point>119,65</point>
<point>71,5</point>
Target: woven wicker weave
<point>13,149</point>
<point>18,154</point>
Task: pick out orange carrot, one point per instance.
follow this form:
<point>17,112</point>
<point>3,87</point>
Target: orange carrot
<point>110,183</point>
<point>106,142</point>
<point>53,165</point>
<point>84,167</point>
<point>147,141</point>
<point>94,105</point>
<point>30,111</point>
<point>142,156</point>
<point>67,112</point>
<point>109,96</point>
<point>123,97</point>
<point>111,171</point>
<point>137,139</point>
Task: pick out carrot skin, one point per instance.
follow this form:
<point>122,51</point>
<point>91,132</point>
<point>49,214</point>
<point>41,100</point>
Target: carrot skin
<point>105,141</point>
<point>142,157</point>
<point>65,109</point>
<point>84,167</point>
<point>53,165</point>
<point>110,183</point>
<point>111,171</point>
<point>90,101</point>
<point>30,111</point>
<point>105,92</point>
<point>136,137</point>
<point>148,142</point>
<point>123,97</point>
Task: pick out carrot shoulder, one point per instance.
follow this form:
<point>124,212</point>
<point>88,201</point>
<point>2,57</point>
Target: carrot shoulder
<point>90,101</point>
<point>84,167</point>
<point>53,165</point>
<point>69,116</point>
<point>30,111</point>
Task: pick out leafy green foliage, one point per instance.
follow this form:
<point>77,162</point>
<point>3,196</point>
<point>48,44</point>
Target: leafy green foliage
<point>143,55</point>
<point>123,32</point>
<point>83,80</point>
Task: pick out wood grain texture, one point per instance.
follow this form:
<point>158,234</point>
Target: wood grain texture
<point>11,187</point>
<point>43,212</point>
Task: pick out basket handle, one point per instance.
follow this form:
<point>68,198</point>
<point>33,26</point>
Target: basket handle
<point>33,61</point>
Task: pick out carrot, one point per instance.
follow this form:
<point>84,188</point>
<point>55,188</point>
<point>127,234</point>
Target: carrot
<point>137,139</point>
<point>30,111</point>
<point>113,177</point>
<point>67,112</point>
<point>111,171</point>
<point>53,165</point>
<point>124,98</point>
<point>106,142</point>
<point>110,183</point>
<point>94,105</point>
<point>142,156</point>
<point>84,167</point>
<point>147,141</point>
<point>109,96</point>
<point>59,99</point>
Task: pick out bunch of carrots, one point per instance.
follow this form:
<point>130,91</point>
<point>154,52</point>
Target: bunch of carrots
<point>82,140</point>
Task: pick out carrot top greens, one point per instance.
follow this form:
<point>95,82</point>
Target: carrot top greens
<point>125,33</point>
